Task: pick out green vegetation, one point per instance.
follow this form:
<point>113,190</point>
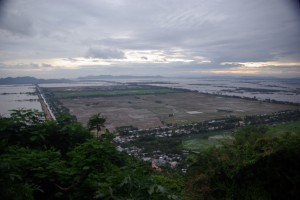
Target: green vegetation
<point>61,160</point>
<point>200,142</point>
<point>97,93</point>
<point>96,122</point>
<point>291,127</point>
<point>254,165</point>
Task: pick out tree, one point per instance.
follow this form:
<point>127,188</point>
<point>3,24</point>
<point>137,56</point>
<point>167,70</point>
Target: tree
<point>254,165</point>
<point>24,128</point>
<point>59,160</point>
<point>96,122</point>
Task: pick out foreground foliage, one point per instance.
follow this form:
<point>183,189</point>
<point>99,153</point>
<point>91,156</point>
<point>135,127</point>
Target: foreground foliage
<point>255,165</point>
<point>60,160</point>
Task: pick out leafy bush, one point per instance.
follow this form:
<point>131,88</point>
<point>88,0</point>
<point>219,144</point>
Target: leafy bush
<point>61,160</point>
<point>254,166</point>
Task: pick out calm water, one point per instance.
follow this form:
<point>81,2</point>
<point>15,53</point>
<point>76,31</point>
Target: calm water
<point>16,97</point>
<point>280,90</point>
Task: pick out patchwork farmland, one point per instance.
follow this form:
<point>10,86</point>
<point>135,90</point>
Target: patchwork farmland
<point>148,107</point>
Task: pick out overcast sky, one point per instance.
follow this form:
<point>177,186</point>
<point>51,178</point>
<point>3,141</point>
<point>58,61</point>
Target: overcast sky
<point>70,38</point>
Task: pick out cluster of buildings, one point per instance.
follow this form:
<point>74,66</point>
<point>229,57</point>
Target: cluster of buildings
<point>158,158</point>
<point>128,135</point>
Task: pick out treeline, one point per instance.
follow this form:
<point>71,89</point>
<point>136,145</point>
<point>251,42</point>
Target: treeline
<point>281,116</point>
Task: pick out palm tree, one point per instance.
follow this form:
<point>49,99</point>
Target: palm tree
<point>96,121</point>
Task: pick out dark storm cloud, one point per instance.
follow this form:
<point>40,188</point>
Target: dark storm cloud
<point>295,6</point>
<point>219,31</point>
<point>2,6</point>
<point>16,22</point>
<point>236,31</point>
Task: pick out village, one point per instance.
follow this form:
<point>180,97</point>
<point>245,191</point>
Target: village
<point>128,136</point>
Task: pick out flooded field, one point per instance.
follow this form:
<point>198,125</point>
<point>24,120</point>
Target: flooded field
<point>287,90</point>
<point>17,97</point>
<point>281,90</point>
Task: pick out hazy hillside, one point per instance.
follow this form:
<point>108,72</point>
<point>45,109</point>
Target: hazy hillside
<point>30,80</point>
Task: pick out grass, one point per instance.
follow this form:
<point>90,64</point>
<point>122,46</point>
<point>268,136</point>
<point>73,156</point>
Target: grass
<point>200,142</point>
<point>198,145</point>
<point>97,93</point>
<point>291,127</point>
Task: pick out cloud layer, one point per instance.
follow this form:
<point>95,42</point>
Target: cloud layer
<point>165,37</point>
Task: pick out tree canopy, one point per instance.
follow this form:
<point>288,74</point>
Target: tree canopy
<point>254,165</point>
<point>61,160</point>
<point>96,122</point>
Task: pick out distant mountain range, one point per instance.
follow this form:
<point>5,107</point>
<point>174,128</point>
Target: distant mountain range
<point>30,80</point>
<point>33,80</point>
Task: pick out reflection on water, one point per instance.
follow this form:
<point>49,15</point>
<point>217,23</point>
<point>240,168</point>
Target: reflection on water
<point>280,90</point>
<point>17,97</point>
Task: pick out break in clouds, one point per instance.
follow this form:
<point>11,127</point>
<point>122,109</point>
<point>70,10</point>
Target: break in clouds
<point>70,38</point>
